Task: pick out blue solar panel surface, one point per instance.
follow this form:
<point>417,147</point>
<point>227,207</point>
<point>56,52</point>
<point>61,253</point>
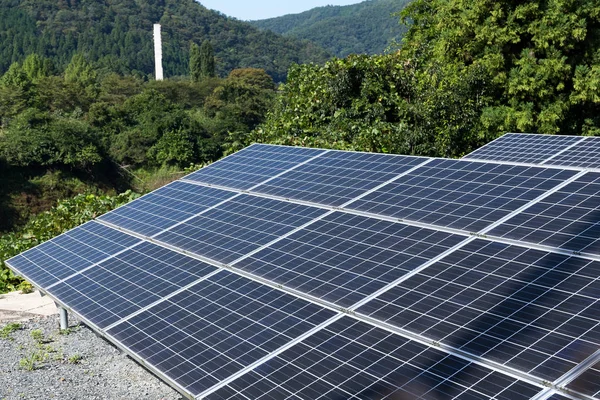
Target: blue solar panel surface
<point>70,253</point>
<point>216,328</point>
<point>535,311</point>
<point>354,360</point>
<point>337,177</point>
<point>238,227</point>
<point>207,330</point>
<point>524,148</point>
<point>253,165</point>
<point>585,154</point>
<point>128,282</point>
<point>568,219</point>
<point>165,207</point>
<point>461,194</point>
<point>343,258</point>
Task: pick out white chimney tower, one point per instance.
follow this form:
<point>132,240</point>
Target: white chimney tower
<point>158,53</point>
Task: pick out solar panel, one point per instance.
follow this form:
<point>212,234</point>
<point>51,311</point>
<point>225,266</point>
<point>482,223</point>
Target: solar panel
<point>128,282</point>
<point>337,177</point>
<point>503,320</point>
<point>165,207</point>
<point>568,219</point>
<point>523,148</point>
<point>532,310</point>
<point>216,328</point>
<point>586,154</point>
<point>588,383</point>
<point>343,258</point>
<point>69,253</point>
<point>461,194</point>
<point>238,227</point>
<point>253,165</point>
<point>354,360</point>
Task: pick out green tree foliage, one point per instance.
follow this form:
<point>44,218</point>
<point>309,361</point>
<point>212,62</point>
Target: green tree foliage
<point>466,73</point>
<point>540,59</point>
<point>66,215</point>
<point>207,60</point>
<point>195,63</point>
<point>117,35</point>
<point>364,28</point>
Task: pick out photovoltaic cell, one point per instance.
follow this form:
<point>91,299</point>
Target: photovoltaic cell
<point>354,360</point>
<point>535,311</point>
<point>69,253</point>
<point>523,148</point>
<point>588,383</point>
<point>238,227</point>
<point>568,219</point>
<point>461,194</point>
<point>583,155</point>
<point>343,258</point>
<point>337,177</point>
<point>253,165</point>
<point>216,328</point>
<point>128,282</point>
<point>557,397</point>
<point>165,207</point>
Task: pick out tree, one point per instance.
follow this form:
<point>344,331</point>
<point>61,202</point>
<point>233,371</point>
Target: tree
<point>195,63</point>
<point>81,72</point>
<point>536,56</point>
<point>207,60</point>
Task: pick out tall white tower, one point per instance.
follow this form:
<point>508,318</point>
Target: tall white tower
<point>158,53</point>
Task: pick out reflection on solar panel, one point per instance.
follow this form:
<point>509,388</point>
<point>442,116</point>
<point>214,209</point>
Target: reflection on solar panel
<point>70,253</point>
<point>585,154</point>
<point>524,148</point>
<point>588,383</point>
<point>128,282</point>
<point>238,227</point>
<point>568,218</point>
<point>320,301</point>
<point>535,311</point>
<point>253,165</point>
<point>337,177</point>
<point>216,328</point>
<point>344,258</point>
<point>461,194</point>
<point>165,207</point>
<point>354,360</point>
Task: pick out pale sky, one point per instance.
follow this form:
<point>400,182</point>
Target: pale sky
<point>261,9</point>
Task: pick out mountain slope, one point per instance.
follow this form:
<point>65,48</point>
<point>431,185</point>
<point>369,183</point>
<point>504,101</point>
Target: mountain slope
<point>364,28</point>
<point>117,34</point>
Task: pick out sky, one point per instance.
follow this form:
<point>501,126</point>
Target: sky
<point>261,9</point>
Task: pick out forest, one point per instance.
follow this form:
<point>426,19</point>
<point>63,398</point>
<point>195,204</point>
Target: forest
<point>464,74</point>
<point>117,36</point>
<point>369,27</point>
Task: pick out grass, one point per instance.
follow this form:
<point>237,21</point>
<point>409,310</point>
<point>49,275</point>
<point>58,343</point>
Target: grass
<point>7,330</point>
<point>75,359</point>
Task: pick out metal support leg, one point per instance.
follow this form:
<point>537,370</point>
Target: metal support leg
<point>64,318</point>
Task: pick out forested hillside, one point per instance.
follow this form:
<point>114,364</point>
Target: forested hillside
<point>466,73</point>
<point>117,35</point>
<point>365,28</point>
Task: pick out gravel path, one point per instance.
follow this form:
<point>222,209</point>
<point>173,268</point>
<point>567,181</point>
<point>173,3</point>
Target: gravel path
<point>77,365</point>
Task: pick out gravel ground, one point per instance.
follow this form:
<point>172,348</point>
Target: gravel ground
<point>77,365</point>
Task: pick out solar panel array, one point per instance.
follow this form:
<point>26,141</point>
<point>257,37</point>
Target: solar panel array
<point>292,273</point>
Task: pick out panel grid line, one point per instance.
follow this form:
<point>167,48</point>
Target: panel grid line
<point>583,139</point>
<point>533,202</point>
<point>570,376</point>
<point>411,274</point>
<point>94,265</point>
<point>269,356</point>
